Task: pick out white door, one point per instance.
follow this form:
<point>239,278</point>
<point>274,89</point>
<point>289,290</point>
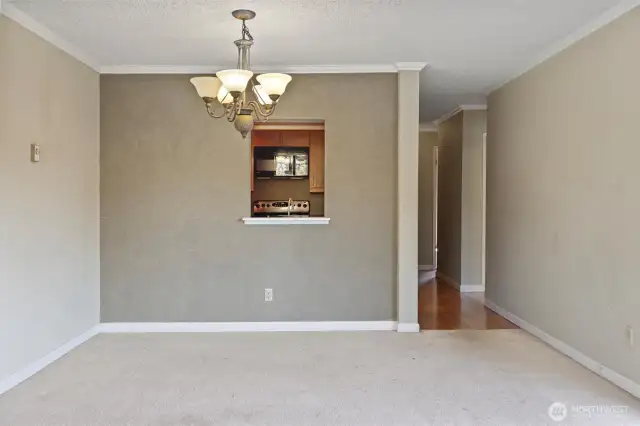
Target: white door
<point>435,207</point>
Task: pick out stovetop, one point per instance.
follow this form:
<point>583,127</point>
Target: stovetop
<point>281,208</point>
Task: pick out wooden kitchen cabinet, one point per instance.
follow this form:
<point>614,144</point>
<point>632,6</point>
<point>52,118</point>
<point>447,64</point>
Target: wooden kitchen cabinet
<point>266,138</point>
<point>313,139</point>
<point>263,138</point>
<point>252,178</point>
<point>299,138</point>
<point>316,161</point>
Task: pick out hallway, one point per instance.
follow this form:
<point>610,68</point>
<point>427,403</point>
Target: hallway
<point>441,307</point>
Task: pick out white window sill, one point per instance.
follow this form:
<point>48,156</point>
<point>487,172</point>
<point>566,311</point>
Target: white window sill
<point>286,220</point>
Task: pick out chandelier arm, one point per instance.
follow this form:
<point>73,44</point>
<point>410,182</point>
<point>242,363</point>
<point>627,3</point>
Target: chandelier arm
<point>234,108</point>
<point>212,111</point>
<point>257,108</point>
<point>229,111</point>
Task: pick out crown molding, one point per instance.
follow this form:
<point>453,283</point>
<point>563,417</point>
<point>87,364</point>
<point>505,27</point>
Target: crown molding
<point>447,116</point>
<point>471,107</point>
<point>410,66</point>
<point>428,127</point>
<point>211,69</point>
<point>460,108</point>
<point>159,69</point>
<point>606,18</point>
<point>24,20</point>
<point>330,69</point>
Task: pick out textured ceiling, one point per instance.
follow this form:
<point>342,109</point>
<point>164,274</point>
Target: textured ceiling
<point>470,45</point>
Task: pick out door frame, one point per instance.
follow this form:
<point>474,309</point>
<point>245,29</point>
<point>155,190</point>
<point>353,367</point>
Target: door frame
<point>436,162</point>
<point>484,211</point>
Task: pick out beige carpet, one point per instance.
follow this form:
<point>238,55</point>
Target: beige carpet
<point>492,378</point>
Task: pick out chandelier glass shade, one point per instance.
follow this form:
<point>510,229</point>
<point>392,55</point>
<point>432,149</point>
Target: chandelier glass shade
<point>274,84</point>
<point>235,81</point>
<point>225,95</point>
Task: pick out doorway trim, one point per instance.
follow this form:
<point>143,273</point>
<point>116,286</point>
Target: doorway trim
<point>436,170</point>
<point>484,211</point>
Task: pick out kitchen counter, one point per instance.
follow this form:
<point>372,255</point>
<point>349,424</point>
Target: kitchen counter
<point>286,220</point>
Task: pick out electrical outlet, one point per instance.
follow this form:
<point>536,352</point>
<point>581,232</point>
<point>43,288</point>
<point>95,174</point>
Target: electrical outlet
<point>268,295</point>
<point>630,335</point>
<point>35,153</point>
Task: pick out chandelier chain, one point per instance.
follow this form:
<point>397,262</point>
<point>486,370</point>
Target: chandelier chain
<point>245,32</point>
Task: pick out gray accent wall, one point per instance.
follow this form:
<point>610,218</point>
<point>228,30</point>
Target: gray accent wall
<point>49,262</point>
<point>175,184</point>
<point>563,235</point>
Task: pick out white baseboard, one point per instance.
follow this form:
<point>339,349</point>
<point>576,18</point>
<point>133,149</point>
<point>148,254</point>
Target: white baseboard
<point>471,288</point>
<point>408,327</point>
<point>465,288</point>
<point>222,327</point>
<point>426,273</point>
<point>617,379</point>
<point>31,369</point>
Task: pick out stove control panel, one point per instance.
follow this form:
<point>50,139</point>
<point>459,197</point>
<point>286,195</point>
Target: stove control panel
<point>278,207</point>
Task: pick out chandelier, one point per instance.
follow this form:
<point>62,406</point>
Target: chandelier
<point>225,95</point>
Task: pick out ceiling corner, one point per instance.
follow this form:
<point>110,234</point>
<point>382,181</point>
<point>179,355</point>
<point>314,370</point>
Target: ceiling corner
<point>620,8</point>
<point>26,21</point>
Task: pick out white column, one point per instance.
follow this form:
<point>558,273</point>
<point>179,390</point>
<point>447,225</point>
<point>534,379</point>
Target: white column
<point>408,153</point>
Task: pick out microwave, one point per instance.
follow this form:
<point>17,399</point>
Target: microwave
<point>282,163</point>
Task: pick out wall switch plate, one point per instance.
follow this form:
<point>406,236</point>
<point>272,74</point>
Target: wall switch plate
<point>35,153</point>
<point>630,336</point>
<point>268,295</point>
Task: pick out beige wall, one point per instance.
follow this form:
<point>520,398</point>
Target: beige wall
<point>563,204</point>
<point>473,129</point>
<point>49,264</point>
<point>175,183</point>
<point>450,134</point>
<point>428,140</point>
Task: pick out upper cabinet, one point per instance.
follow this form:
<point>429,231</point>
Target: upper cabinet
<point>266,138</point>
<point>311,139</point>
<point>298,138</point>
<point>316,161</point>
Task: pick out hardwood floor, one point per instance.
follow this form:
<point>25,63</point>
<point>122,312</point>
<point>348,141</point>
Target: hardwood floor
<point>442,307</point>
